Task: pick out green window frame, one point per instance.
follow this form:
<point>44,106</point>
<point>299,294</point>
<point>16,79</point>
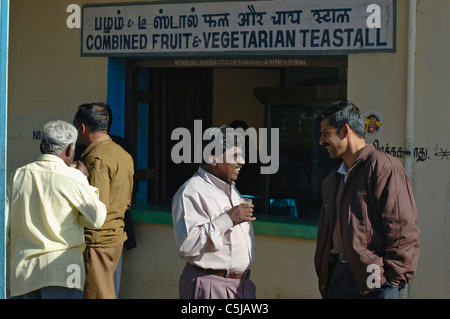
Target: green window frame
<point>264,224</point>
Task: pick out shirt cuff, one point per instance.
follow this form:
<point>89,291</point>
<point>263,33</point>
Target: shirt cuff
<point>223,222</point>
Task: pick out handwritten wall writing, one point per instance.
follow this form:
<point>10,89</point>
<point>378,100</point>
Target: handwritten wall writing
<point>420,154</point>
<point>443,154</point>
<point>211,28</point>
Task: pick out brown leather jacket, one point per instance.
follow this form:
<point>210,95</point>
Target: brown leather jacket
<point>378,221</point>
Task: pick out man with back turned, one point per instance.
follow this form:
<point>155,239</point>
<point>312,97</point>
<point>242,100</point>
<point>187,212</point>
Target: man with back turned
<point>48,204</point>
<point>111,170</point>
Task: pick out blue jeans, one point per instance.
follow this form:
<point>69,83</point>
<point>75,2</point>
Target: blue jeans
<point>342,285</point>
<point>52,292</point>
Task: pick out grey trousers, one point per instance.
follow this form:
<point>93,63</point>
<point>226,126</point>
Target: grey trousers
<point>195,284</point>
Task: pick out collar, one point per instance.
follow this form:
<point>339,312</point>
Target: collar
<point>344,171</point>
<point>362,156</point>
<point>95,143</point>
<point>50,158</point>
<point>364,153</point>
<point>212,179</point>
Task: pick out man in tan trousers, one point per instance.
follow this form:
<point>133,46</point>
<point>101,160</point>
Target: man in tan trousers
<point>111,170</point>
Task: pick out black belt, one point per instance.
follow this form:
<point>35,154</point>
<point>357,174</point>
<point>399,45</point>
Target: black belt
<point>340,257</point>
<point>224,273</point>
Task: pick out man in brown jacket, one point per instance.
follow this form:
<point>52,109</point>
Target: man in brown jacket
<point>111,170</point>
<point>367,241</point>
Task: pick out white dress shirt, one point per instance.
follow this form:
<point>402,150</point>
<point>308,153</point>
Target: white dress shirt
<point>204,232</point>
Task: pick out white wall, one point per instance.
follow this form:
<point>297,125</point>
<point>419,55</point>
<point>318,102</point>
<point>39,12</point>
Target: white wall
<point>378,82</point>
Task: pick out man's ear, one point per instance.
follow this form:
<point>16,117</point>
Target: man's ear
<point>83,128</point>
<point>212,160</point>
<point>344,131</point>
<point>69,150</point>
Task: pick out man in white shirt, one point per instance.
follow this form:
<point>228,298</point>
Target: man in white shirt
<point>213,231</point>
<point>48,203</point>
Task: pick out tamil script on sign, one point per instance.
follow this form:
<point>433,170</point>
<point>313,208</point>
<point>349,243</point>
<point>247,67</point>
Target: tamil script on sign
<point>282,27</point>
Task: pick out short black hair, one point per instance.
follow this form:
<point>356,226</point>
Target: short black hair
<point>96,116</point>
<point>344,112</point>
<point>229,138</point>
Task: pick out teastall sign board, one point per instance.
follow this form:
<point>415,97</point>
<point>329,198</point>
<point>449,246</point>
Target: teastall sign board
<point>239,28</point>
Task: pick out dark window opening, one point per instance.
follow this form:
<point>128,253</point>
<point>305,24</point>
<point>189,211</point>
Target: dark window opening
<point>161,99</point>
